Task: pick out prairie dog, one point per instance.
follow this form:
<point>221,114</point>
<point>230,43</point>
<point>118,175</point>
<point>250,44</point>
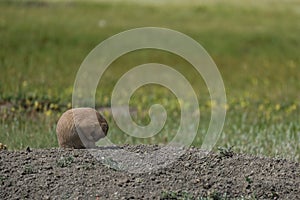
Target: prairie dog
<point>80,128</point>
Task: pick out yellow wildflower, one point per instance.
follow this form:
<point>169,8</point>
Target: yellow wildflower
<point>277,107</point>
<point>48,112</point>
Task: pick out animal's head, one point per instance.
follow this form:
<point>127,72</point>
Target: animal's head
<point>90,124</point>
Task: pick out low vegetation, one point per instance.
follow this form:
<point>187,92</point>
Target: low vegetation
<point>256,48</point>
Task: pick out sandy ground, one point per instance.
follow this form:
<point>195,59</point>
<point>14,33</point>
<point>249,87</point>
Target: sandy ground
<point>109,173</point>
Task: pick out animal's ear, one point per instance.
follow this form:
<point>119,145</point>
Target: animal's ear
<point>100,117</point>
<point>104,127</point>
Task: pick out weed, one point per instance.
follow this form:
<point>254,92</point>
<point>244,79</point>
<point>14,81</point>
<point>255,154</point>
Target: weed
<point>88,166</point>
<point>3,147</point>
<point>169,195</point>
<point>218,196</point>
<point>248,179</point>
<point>183,195</point>
<point>28,169</point>
<point>226,152</point>
<point>112,164</point>
<point>2,179</point>
<point>65,161</point>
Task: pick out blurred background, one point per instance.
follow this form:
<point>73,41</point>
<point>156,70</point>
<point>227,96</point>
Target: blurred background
<point>255,45</point>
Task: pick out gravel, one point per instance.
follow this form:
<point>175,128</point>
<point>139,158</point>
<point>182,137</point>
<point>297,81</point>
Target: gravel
<point>136,172</point>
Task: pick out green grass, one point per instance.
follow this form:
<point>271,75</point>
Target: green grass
<point>256,48</point>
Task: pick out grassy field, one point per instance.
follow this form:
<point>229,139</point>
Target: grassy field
<point>255,46</point>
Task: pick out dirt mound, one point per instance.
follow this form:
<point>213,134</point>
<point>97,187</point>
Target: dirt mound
<point>76,174</point>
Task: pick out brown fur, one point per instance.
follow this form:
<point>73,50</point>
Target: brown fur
<point>80,128</point>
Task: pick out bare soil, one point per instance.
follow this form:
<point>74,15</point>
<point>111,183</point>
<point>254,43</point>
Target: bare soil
<point>77,174</point>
